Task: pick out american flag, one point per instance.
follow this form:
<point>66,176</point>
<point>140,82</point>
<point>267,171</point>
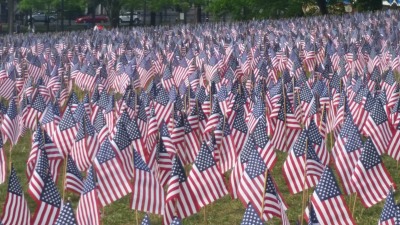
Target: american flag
<point>316,140</point>
<point>214,118</point>
<point>49,203</point>
<point>192,140</point>
<point>180,71</point>
<point>226,151</point>
<point>240,165</point>
<point>168,80</point>
<point>7,82</point>
<point>51,118</point>
<point>10,127</point>
<point>67,216</point>
<point>123,142</point>
<point>113,182</point>
<point>239,128</point>
<point>146,71</point>
<point>179,199</point>
<point>64,136</point>
<point>54,155</point>
<point>273,202</point>
<point>101,128</point>
<point>251,188</point>
<point>15,210</point>
<point>88,206</point>
<point>73,177</point>
<point>265,147</point>
<point>162,105</point>
<point>176,221</point>
<point>370,177</point>
<point>166,139</point>
<point>37,145</point>
<point>178,136</point>
<point>205,171</point>
<point>377,127</point>
<point>388,215</point>
<point>310,215</point>
<point>36,111</point>
<point>146,220</point>
<point>251,217</point>
<point>330,207</point>
<point>287,127</point>
<point>393,149</point>
<point>346,152</point>
<point>37,180</point>
<point>86,144</point>
<point>300,164</point>
<point>151,199</point>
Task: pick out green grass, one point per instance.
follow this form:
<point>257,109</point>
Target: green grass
<point>225,211</point>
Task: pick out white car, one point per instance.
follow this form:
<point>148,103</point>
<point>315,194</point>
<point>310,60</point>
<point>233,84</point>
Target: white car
<point>126,18</point>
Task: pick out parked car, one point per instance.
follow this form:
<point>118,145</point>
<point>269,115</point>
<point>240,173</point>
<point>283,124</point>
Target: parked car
<point>41,17</point>
<point>126,18</point>
<point>89,19</point>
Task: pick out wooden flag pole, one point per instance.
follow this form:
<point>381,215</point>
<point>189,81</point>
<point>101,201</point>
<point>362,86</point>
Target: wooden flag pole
<point>304,183</point>
<point>284,114</point>
<point>265,186</point>
<point>10,161</point>
<point>354,204</point>
<point>65,176</point>
<point>137,218</point>
<point>205,215</point>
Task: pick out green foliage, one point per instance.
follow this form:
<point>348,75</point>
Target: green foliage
<point>367,5</point>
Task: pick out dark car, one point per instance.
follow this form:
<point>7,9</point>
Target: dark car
<point>89,19</point>
<point>42,17</point>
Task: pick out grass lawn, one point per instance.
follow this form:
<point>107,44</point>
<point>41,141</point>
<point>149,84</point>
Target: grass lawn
<point>224,211</point>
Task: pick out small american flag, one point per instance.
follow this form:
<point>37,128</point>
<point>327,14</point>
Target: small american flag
<point>86,144</point>
<point>370,177</point>
<point>15,210</point>
<point>49,203</point>
<point>37,180</point>
<point>176,221</point>
<point>251,187</point>
<point>10,126</point>
<point>388,215</point>
<point>151,199</point>
<point>329,205</point>
<point>123,142</point>
<point>67,216</point>
<point>146,220</point>
<point>87,211</point>
<point>179,197</point>
<point>73,177</point>
<point>205,171</point>
<point>377,127</point>
<point>110,174</point>
<point>64,137</point>
<point>251,217</point>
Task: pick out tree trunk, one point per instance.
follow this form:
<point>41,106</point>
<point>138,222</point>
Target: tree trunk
<point>322,7</point>
<point>11,16</point>
<point>131,17</point>
<point>152,18</point>
<point>144,13</point>
<point>160,15</point>
<point>199,13</point>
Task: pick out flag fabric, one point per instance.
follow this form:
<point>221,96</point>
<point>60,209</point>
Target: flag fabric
<point>39,176</point>
<point>49,203</point>
<point>15,210</point>
<point>251,188</point>
<point>73,177</point>
<point>85,145</point>
<point>388,215</point>
<point>10,127</point>
<point>67,216</point>
<point>205,171</point>
<point>377,127</point>
<point>88,206</point>
<point>64,136</point>
<point>370,177</point>
<point>152,199</point>
<point>328,203</point>
<point>146,220</point>
<point>179,199</point>
<point>113,182</point>
<point>251,217</point>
